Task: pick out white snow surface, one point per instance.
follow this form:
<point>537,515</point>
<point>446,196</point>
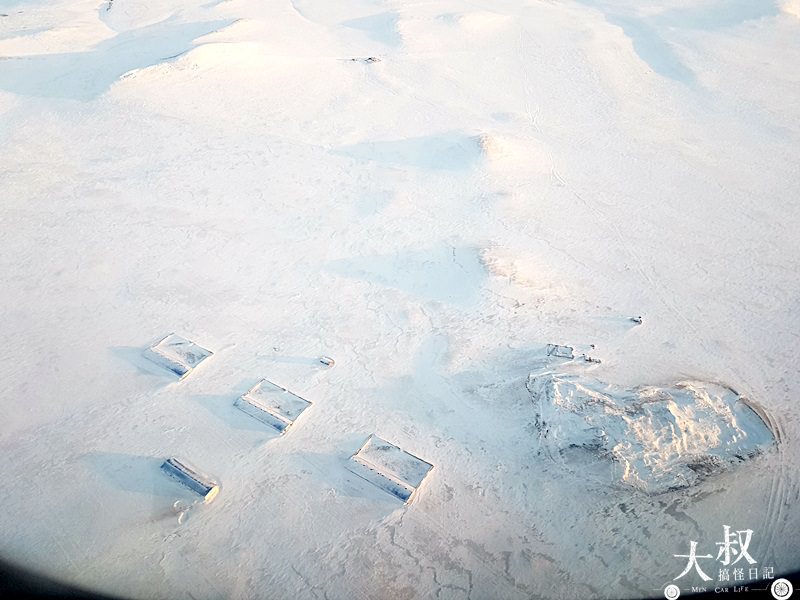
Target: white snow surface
<point>508,174</point>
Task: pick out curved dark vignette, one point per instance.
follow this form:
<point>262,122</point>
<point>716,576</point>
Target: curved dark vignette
<point>16,582</point>
<point>19,583</point>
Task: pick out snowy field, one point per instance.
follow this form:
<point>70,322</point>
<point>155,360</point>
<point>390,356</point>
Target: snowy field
<point>429,192</point>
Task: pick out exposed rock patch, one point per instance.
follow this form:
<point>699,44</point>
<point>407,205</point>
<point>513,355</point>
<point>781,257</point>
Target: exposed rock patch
<point>655,439</point>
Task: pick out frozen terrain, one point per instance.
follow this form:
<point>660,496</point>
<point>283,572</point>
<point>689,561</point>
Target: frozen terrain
<point>430,193</point>
<point>653,439</point>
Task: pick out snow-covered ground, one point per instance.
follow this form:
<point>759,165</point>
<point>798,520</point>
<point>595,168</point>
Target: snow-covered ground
<point>506,174</point>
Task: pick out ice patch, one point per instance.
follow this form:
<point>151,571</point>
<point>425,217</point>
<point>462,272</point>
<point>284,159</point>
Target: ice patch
<point>455,151</point>
<point>655,439</point>
<point>448,151</point>
<point>714,16</point>
<point>380,28</point>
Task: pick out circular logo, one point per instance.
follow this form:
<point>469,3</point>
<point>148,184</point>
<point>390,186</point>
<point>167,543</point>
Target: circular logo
<point>781,589</point>
<point>672,591</point>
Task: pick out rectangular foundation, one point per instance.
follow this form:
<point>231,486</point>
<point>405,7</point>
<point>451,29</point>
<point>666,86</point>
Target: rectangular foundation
<point>191,478</point>
<point>560,351</point>
<point>272,405</point>
<point>389,468</point>
<point>177,354</point>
